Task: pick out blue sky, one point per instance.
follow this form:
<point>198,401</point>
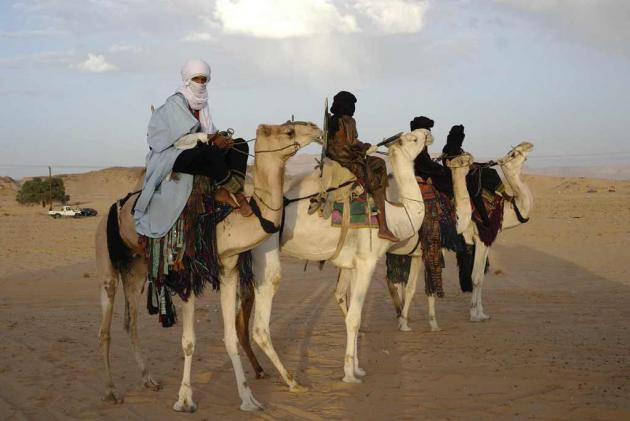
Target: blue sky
<point>77,78</point>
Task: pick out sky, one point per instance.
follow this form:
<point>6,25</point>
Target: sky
<point>78,77</point>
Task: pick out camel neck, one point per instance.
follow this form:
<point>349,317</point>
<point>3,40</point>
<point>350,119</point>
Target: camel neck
<point>268,182</point>
<point>522,195</point>
<point>463,209</point>
<point>410,195</point>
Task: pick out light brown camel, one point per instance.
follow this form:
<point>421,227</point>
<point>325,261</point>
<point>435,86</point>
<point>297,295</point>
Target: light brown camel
<point>236,234</point>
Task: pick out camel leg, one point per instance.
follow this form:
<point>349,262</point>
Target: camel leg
<point>108,292</point>
<point>185,402</point>
<point>108,277</point>
<point>395,293</point>
<point>358,371</point>
<point>267,270</point>
<point>410,290</point>
<point>132,287</point>
<point>359,286</point>
<point>341,292</point>
<point>242,329</point>
<point>228,308</point>
<point>432,320</point>
<point>481,255</point>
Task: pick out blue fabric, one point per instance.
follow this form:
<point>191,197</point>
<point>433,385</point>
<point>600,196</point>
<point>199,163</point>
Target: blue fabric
<point>162,200</point>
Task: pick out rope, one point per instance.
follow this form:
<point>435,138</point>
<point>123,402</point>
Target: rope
<point>288,201</point>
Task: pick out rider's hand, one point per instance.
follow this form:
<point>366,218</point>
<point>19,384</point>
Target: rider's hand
<point>371,149</point>
<point>222,142</point>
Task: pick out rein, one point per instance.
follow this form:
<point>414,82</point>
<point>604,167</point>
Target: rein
<point>267,226</point>
<point>519,215</point>
<point>288,201</point>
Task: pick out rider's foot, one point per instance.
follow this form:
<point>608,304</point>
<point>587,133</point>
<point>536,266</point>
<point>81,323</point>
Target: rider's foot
<point>224,196</point>
<point>386,234</point>
<point>245,208</point>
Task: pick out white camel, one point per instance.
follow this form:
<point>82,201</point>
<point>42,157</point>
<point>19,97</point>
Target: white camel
<point>459,167</point>
<point>515,213</point>
<point>236,234</point>
<point>311,237</point>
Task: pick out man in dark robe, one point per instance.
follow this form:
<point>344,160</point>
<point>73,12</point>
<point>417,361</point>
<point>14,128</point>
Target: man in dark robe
<point>345,148</point>
<point>479,176</point>
<point>426,167</point>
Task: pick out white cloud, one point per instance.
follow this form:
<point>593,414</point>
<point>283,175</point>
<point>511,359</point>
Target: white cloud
<point>394,16</point>
<point>199,37</point>
<point>95,63</point>
<point>282,18</point>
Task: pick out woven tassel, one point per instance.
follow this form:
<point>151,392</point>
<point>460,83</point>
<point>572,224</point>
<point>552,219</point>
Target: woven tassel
<point>152,299</point>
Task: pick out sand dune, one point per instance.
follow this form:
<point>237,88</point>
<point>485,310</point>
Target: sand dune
<point>555,348</point>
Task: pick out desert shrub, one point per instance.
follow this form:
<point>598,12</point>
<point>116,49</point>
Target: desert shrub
<point>38,190</point>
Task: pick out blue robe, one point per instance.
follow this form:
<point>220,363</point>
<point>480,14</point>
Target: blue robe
<point>162,200</point>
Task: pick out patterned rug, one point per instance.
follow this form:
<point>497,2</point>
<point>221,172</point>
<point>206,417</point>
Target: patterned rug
<point>185,260</point>
<point>493,203</point>
<point>358,214</point>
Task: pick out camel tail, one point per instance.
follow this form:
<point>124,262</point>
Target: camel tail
<point>119,254</point>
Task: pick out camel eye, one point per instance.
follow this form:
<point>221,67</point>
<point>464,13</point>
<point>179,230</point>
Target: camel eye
<point>290,132</point>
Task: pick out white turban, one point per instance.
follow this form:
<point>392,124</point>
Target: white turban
<point>196,93</point>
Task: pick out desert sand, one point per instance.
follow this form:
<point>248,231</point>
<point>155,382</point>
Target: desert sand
<point>557,345</point>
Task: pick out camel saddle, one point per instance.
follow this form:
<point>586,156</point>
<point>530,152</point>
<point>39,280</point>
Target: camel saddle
<point>337,183</point>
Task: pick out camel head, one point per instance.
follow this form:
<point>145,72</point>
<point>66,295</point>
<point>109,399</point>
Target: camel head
<point>461,162</point>
<point>409,145</point>
<point>517,156</point>
<point>284,140</point>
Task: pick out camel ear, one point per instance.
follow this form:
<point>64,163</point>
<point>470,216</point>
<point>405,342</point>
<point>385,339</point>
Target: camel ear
<point>263,130</point>
<point>409,137</point>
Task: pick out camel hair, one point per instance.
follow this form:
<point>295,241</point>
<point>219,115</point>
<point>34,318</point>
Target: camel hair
<point>515,213</point>
<point>236,234</point>
<point>312,237</point>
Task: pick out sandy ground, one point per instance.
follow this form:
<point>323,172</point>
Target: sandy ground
<point>557,346</point>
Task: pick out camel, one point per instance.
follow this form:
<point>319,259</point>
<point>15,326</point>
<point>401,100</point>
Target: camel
<point>459,167</point>
<point>311,237</point>
<point>515,213</point>
<point>236,234</point>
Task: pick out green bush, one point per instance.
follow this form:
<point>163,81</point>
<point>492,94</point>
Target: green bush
<point>38,190</point>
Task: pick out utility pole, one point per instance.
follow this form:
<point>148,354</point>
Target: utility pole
<point>50,185</point>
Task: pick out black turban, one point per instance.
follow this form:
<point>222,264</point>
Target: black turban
<point>454,141</point>
<point>343,104</point>
<point>421,123</point>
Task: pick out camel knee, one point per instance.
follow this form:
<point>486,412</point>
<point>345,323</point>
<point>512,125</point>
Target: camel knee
<point>103,337</point>
<point>109,287</point>
<point>189,348</point>
<point>261,337</point>
<point>353,323</point>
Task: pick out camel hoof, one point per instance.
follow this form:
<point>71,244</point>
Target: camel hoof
<point>435,329</point>
<point>403,325</point>
<point>113,397</point>
<point>484,316</point>
<point>149,383</point>
<point>298,388</point>
<point>185,406</point>
<point>351,380</point>
<point>251,404</point>
<point>359,372</point>
<point>261,375</point>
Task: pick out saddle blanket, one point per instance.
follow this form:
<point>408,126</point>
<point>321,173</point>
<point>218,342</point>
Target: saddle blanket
<point>358,214</point>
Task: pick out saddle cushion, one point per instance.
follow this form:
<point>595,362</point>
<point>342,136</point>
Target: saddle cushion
<point>493,203</point>
<point>358,214</point>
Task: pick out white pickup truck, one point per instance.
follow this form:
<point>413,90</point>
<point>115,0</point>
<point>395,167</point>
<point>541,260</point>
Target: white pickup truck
<point>65,211</point>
